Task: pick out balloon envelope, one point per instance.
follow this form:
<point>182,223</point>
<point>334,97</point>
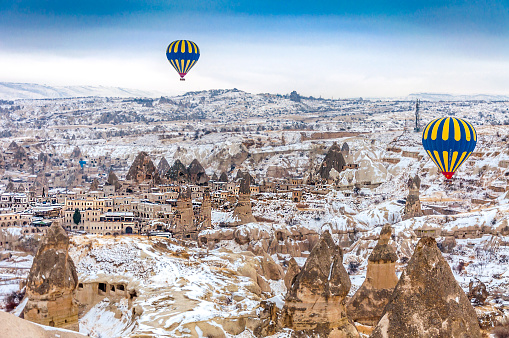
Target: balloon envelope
<point>449,141</point>
<point>183,55</point>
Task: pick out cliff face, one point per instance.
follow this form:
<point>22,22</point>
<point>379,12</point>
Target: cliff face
<point>315,302</point>
<point>427,301</point>
<point>51,283</point>
<point>143,169</point>
<point>333,160</point>
<point>368,303</point>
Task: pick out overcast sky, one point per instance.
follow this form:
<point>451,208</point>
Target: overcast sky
<point>368,48</point>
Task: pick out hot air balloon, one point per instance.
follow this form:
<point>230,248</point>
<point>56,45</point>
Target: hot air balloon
<point>183,55</point>
<point>449,141</point>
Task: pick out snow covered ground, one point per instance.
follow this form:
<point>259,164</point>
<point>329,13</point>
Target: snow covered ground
<point>187,290</point>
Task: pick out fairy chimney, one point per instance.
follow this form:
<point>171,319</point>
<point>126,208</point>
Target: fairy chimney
<point>52,282</point>
<point>293,270</point>
<point>368,303</point>
<point>197,173</point>
<point>333,160</point>
<point>427,301</point>
<point>413,204</point>
<point>163,167</point>
<point>315,302</point>
<point>143,169</point>
<point>242,211</point>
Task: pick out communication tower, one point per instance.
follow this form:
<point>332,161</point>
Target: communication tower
<point>417,117</point>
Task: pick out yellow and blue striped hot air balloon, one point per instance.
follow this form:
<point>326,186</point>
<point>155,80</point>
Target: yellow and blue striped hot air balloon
<point>183,55</point>
<point>449,141</point>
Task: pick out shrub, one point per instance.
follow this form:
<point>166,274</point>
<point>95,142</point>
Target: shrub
<point>353,267</point>
<point>13,300</point>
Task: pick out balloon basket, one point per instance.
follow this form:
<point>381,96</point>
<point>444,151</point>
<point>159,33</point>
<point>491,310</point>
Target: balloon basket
<point>182,79</point>
<point>448,175</point>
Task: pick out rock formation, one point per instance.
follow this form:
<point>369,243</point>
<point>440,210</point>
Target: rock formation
<point>113,180</point>
<point>76,153</point>
<point>315,302</point>
<point>95,185</point>
<point>183,223</point>
<point>142,169</point>
<point>427,301</point>
<point>477,292</point>
<point>2,164</point>
<point>10,186</point>
<point>18,327</point>
<point>205,217</point>
<point>345,149</point>
<point>333,160</point>
<point>291,242</point>
<point>52,282</point>
<point>244,176</point>
<point>447,244</point>
<point>177,172</point>
<point>413,204</point>
<point>245,182</point>
<point>368,303</point>
<point>293,270</point>
<point>277,171</point>
<point>242,211</point>
<point>196,173</point>
<point>13,146</point>
<point>223,177</point>
<point>163,167</point>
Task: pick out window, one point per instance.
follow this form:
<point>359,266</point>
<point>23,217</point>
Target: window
<point>102,287</point>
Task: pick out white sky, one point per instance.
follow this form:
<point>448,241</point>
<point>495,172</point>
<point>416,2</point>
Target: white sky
<point>337,64</point>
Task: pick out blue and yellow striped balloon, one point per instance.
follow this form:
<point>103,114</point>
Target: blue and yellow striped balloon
<point>183,55</point>
<point>449,141</point>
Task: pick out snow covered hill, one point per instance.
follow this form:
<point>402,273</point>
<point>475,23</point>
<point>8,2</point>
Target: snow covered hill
<point>455,97</point>
<point>12,91</point>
